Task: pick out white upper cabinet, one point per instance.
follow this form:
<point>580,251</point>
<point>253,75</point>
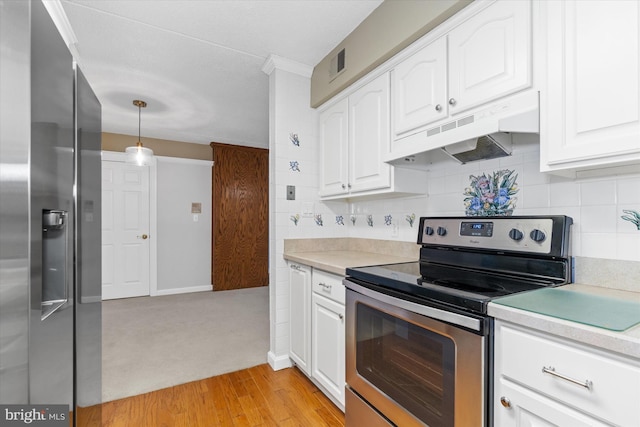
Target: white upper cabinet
<point>590,108</point>
<point>369,136</point>
<point>354,140</point>
<point>479,67</point>
<point>490,55</point>
<point>419,87</point>
<point>334,149</point>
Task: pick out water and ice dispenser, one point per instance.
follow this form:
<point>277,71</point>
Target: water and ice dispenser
<point>54,261</point>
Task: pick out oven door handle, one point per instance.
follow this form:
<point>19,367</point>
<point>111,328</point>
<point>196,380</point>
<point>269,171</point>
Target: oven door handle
<point>424,310</point>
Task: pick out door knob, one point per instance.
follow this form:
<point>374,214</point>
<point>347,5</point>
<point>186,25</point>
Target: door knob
<point>143,237</point>
<point>505,402</point>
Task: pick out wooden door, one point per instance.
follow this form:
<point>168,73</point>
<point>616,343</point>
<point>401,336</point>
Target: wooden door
<point>240,217</point>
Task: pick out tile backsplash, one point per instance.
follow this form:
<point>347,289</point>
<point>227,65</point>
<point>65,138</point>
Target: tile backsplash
<point>595,204</point>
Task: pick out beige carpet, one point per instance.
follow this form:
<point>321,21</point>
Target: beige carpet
<point>151,343</point>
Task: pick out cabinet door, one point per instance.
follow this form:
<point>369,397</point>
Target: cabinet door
<point>369,136</point>
<point>525,408</point>
<point>334,151</point>
<point>490,55</point>
<point>591,108</point>
<point>328,334</point>
<point>419,88</point>
<point>300,316</point>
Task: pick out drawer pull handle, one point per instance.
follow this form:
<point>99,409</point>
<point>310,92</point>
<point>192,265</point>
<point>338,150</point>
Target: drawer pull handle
<point>326,288</point>
<point>552,371</point>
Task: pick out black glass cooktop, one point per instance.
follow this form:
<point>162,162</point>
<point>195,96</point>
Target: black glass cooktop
<point>458,287</point>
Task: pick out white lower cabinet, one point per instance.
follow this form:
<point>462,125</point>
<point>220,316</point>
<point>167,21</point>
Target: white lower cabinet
<point>317,328</point>
<point>300,316</point>
<point>545,380</point>
<point>328,334</point>
<point>327,345</point>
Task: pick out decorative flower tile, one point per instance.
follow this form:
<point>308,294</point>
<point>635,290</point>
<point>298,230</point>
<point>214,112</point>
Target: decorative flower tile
<point>632,216</point>
<point>370,220</point>
<point>491,195</point>
<point>353,219</point>
<point>339,220</point>
<point>318,219</point>
<point>294,166</point>
<point>388,219</point>
<point>295,218</point>
<point>294,139</point>
<point>410,219</point>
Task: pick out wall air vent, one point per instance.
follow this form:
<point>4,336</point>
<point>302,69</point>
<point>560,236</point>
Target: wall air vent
<point>337,65</point>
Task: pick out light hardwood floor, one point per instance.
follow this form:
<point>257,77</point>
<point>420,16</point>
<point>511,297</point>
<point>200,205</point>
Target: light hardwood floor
<point>256,396</point>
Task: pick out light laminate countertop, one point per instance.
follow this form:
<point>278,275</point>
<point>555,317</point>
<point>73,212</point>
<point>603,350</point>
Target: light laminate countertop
<point>625,342</point>
<point>338,261</point>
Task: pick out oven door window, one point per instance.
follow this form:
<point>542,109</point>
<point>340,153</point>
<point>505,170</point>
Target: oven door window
<point>412,365</point>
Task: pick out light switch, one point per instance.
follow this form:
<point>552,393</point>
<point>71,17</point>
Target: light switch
<point>291,192</point>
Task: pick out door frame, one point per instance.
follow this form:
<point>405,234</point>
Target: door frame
<point>116,156</point>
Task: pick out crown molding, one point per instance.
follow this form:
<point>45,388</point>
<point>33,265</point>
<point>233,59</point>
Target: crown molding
<point>277,62</point>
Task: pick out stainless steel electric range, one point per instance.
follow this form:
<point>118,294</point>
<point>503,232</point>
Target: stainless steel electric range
<point>419,341</point>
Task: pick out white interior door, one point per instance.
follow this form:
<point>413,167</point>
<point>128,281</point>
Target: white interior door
<point>125,230</point>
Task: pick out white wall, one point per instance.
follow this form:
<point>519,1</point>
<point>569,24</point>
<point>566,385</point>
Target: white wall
<point>183,245</point>
<point>289,113</point>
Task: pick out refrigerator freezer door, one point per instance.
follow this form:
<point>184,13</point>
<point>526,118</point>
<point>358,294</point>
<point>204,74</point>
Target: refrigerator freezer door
<point>51,344</point>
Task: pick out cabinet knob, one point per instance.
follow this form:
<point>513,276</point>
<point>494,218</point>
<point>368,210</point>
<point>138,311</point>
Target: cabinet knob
<point>344,186</point>
<point>505,402</point>
<point>438,108</point>
<point>341,316</point>
<point>452,101</point>
<point>349,185</point>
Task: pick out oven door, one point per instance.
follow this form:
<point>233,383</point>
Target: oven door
<point>413,369</point>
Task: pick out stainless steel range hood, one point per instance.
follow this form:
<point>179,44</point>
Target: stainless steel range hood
<point>483,134</point>
<point>483,148</point>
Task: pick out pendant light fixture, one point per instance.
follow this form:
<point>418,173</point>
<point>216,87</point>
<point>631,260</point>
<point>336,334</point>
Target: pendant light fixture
<point>139,155</point>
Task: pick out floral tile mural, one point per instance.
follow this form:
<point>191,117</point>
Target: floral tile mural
<point>491,195</point>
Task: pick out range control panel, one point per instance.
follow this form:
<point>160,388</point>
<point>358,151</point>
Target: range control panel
<point>524,234</point>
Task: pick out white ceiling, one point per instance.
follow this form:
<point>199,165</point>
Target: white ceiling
<point>198,63</point>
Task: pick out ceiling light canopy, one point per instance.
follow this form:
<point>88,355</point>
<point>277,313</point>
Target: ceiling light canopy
<point>138,154</point>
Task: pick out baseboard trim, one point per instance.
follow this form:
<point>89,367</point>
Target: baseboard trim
<point>188,290</point>
<point>278,362</point>
<point>89,300</point>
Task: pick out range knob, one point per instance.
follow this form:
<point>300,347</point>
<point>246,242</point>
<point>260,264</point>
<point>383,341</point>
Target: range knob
<point>428,231</point>
<point>442,231</point>
<point>516,234</point>
<point>537,235</point>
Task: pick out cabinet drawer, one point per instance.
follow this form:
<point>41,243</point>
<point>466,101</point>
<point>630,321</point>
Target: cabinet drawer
<point>328,285</point>
<point>613,382</point>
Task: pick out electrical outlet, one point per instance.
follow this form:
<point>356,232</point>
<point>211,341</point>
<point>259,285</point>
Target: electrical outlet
<point>307,209</point>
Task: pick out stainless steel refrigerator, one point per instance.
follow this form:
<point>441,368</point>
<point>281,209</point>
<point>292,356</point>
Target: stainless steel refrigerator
<point>50,251</point>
